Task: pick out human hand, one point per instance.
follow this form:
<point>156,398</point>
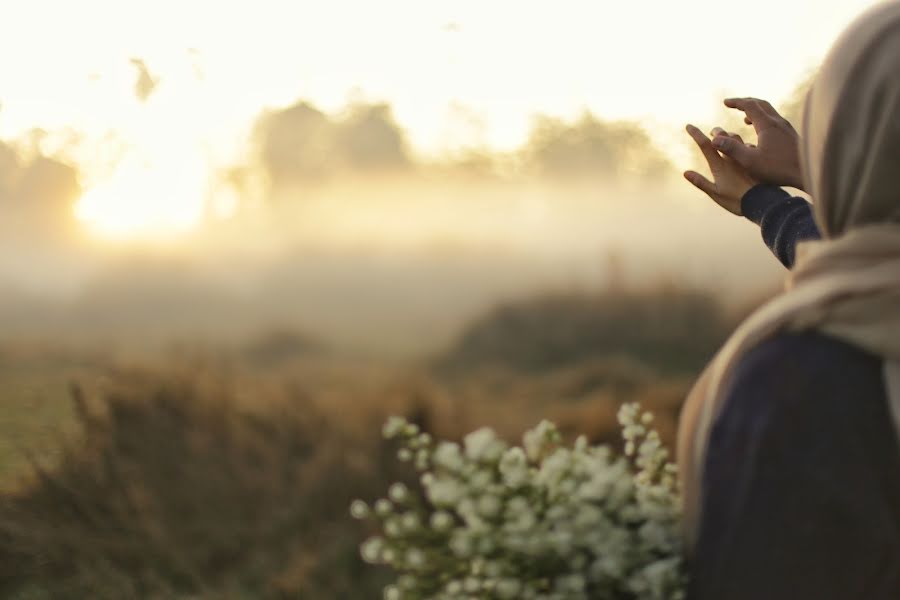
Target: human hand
<point>776,157</point>
<point>730,180</point>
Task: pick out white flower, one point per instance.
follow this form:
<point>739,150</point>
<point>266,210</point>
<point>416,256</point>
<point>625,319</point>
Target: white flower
<point>561,541</point>
<point>454,587</point>
<point>514,467</point>
<point>570,583</point>
<point>489,506</point>
<point>553,468</point>
<point>359,509</point>
<point>543,521</point>
<point>410,522</point>
<point>392,527</point>
<point>655,579</point>
<point>398,493</point>
<point>383,507</point>
<point>415,558</point>
<point>448,456</point>
<point>393,426</point>
<point>516,505</point>
<point>461,544</point>
<point>492,568</point>
<point>508,588</point>
<point>371,549</point>
<point>607,566</point>
<point>407,582</point>
<point>483,445</point>
<point>523,521</point>
<point>445,491</point>
<point>654,534</point>
<point>481,479</point>
<point>540,439</point>
<point>441,521</point>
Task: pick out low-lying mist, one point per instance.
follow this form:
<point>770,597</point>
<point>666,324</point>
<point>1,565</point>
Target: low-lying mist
<point>391,267</point>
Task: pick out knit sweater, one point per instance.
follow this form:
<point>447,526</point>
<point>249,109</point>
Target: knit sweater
<point>801,486</point>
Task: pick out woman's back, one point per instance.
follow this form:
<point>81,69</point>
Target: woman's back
<point>801,488</point>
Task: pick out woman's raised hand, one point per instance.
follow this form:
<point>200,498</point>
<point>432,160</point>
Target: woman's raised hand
<point>730,180</point>
<point>776,157</point>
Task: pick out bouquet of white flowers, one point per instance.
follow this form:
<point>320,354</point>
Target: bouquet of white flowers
<point>541,521</point>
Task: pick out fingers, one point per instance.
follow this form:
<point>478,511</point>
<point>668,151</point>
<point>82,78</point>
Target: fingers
<point>701,183</point>
<point>766,106</point>
<point>735,148</point>
<point>717,131</point>
<point>758,112</point>
<point>705,144</point>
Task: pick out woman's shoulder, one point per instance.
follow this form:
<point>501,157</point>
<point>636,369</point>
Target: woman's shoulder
<point>807,366</point>
<point>810,386</point>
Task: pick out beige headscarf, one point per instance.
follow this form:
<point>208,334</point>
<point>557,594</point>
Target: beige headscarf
<point>848,284</point>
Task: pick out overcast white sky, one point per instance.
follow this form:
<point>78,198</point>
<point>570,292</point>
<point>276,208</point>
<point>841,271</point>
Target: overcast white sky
<point>61,62</point>
<point>456,71</point>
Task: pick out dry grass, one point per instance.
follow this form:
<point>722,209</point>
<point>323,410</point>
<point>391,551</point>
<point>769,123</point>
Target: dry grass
<point>223,475</point>
<point>173,489</point>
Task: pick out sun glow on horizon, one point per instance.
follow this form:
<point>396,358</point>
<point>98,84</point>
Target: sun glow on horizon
<point>145,198</point>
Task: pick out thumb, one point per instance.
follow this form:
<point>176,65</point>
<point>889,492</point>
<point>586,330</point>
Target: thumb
<point>737,150</point>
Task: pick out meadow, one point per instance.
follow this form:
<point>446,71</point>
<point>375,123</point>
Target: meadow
<point>226,471</point>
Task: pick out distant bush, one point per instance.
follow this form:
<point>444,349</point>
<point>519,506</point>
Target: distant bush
<point>279,346</point>
<point>670,331</point>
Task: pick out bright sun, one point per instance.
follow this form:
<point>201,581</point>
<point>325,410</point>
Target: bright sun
<point>145,198</point>
<point>158,185</point>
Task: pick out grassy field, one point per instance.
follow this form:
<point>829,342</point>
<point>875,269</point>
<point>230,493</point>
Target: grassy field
<point>227,473</point>
<point>35,409</point>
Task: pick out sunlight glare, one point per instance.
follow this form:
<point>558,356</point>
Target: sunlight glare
<point>145,198</point>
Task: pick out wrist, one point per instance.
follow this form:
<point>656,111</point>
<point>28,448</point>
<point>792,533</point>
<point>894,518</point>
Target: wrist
<point>759,199</point>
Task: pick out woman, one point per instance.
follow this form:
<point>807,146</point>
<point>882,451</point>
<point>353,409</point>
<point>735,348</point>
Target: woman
<point>790,441</point>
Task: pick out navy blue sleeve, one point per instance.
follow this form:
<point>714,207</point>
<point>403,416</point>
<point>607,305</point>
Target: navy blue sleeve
<point>801,486</point>
<point>783,219</point>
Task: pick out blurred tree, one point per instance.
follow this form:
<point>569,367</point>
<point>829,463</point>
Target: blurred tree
<point>295,143</point>
<point>38,192</point>
<point>369,138</point>
<point>591,146</point>
<point>302,144</point>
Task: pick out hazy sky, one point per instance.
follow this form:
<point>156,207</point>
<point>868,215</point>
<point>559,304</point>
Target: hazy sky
<point>456,71</point>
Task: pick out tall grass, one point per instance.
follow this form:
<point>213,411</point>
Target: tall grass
<point>173,491</point>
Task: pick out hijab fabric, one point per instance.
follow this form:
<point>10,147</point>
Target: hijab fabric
<point>846,285</point>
